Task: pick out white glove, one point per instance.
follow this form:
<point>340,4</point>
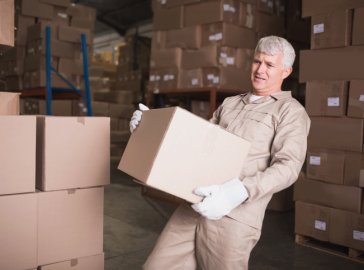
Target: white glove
<point>136,117</point>
<point>220,199</point>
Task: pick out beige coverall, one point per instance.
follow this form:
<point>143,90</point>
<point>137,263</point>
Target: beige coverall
<point>277,127</point>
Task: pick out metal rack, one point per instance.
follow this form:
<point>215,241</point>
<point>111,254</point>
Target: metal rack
<point>72,92</point>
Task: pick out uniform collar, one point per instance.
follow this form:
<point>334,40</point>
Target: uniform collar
<point>278,95</point>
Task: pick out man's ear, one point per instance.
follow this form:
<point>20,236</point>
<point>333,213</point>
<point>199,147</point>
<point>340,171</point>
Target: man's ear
<point>287,72</point>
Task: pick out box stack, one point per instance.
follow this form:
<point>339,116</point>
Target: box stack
<point>6,24</point>
<point>23,66</point>
<point>52,208</point>
<point>199,44</point>
<point>329,198</point>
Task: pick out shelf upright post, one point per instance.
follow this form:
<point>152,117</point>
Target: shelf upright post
<point>48,70</point>
<point>86,75</point>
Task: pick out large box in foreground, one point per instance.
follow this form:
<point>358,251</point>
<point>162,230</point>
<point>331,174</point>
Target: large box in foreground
<point>72,152</point>
<point>18,231</point>
<point>95,262</point>
<point>176,151</point>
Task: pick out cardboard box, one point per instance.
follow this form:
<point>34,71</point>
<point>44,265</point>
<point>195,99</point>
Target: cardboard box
<point>72,34</point>
<point>95,262</point>
<point>18,146</point>
<point>358,29</point>
<point>79,158</point>
<point>9,103</point>
<point>37,9</point>
<point>7,23</point>
<point>70,224</point>
<point>211,12</point>
<point>228,78</point>
<point>168,58</point>
<point>230,35</point>
<point>326,165</point>
<point>18,231</point>
<point>348,230</point>
<point>174,3</point>
<point>158,41</point>
<point>166,78</point>
<point>313,220</point>
<point>58,48</point>
<point>70,66</point>
<point>356,99</point>
<point>200,146</point>
<point>201,109</point>
<point>59,3</point>
<point>331,195</point>
<point>209,56</point>
<point>247,15</point>
<point>168,18</point>
<point>332,29</point>
<point>312,7</point>
<point>336,133</point>
<point>266,6</point>
<point>338,167</point>
<point>326,98</point>
<point>121,110</point>
<point>38,31</point>
<point>322,64</point>
<point>82,11</point>
<point>244,58</point>
<point>186,38</point>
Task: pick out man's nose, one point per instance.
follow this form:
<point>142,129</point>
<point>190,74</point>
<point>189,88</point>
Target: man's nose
<point>260,68</point>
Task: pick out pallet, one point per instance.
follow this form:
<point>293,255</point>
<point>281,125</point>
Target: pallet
<point>330,248</point>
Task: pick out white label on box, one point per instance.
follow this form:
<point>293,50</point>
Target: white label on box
<point>216,80</point>
<point>163,2</point>
<point>152,78</point>
<point>171,77</point>
<point>62,15</point>
<point>318,28</point>
<point>194,81</point>
<point>211,37</point>
<point>358,235</point>
<point>230,60</point>
<point>210,77</point>
<point>333,101</point>
<point>226,7</point>
<point>156,91</point>
<point>218,36</point>
<point>315,160</point>
<point>361,98</point>
<point>157,78</point>
<point>320,225</point>
<point>165,77</point>
<point>223,55</point>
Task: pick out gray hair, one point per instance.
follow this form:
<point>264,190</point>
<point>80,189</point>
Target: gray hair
<point>272,45</point>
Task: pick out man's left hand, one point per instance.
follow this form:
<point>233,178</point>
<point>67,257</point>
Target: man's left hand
<point>220,199</point>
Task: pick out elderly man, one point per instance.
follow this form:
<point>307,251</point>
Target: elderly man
<point>220,232</point>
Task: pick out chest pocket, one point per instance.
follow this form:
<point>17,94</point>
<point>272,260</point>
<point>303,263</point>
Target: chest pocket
<point>254,126</point>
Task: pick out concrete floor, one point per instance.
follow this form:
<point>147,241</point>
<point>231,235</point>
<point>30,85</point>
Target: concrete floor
<point>132,224</point>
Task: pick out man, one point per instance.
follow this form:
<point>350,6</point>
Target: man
<point>220,232</point>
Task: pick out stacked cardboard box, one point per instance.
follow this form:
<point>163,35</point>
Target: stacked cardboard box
<point>52,209</point>
<point>330,196</point>
<point>24,65</point>
<point>199,44</point>
<point>6,24</point>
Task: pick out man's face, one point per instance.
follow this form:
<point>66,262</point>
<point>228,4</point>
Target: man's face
<point>268,73</point>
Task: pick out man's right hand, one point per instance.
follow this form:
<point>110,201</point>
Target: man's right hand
<point>136,117</point>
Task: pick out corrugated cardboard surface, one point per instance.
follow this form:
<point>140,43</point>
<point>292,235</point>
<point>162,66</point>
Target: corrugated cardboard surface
<point>282,201</point>
<point>358,27</point>
<point>312,220</point>
<point>166,58</point>
<point>212,11</point>
<point>72,152</point>
<point>7,23</point>
<point>356,99</point>
<point>175,151</point>
<point>311,7</point>
<point>18,231</point>
<point>70,224</point>
<point>326,165</point>
<point>337,196</point>
<point>17,154</point>
<point>187,37</point>
<point>95,262</point>
<point>322,64</point>
<point>168,18</point>
<point>336,133</point>
<point>331,30</point>
<point>326,98</point>
<point>9,103</point>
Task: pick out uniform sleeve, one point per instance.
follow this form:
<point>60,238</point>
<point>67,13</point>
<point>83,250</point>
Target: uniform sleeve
<point>215,119</point>
<point>288,153</point>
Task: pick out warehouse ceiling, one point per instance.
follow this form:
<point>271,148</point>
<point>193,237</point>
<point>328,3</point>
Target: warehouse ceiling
<point>119,15</point>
